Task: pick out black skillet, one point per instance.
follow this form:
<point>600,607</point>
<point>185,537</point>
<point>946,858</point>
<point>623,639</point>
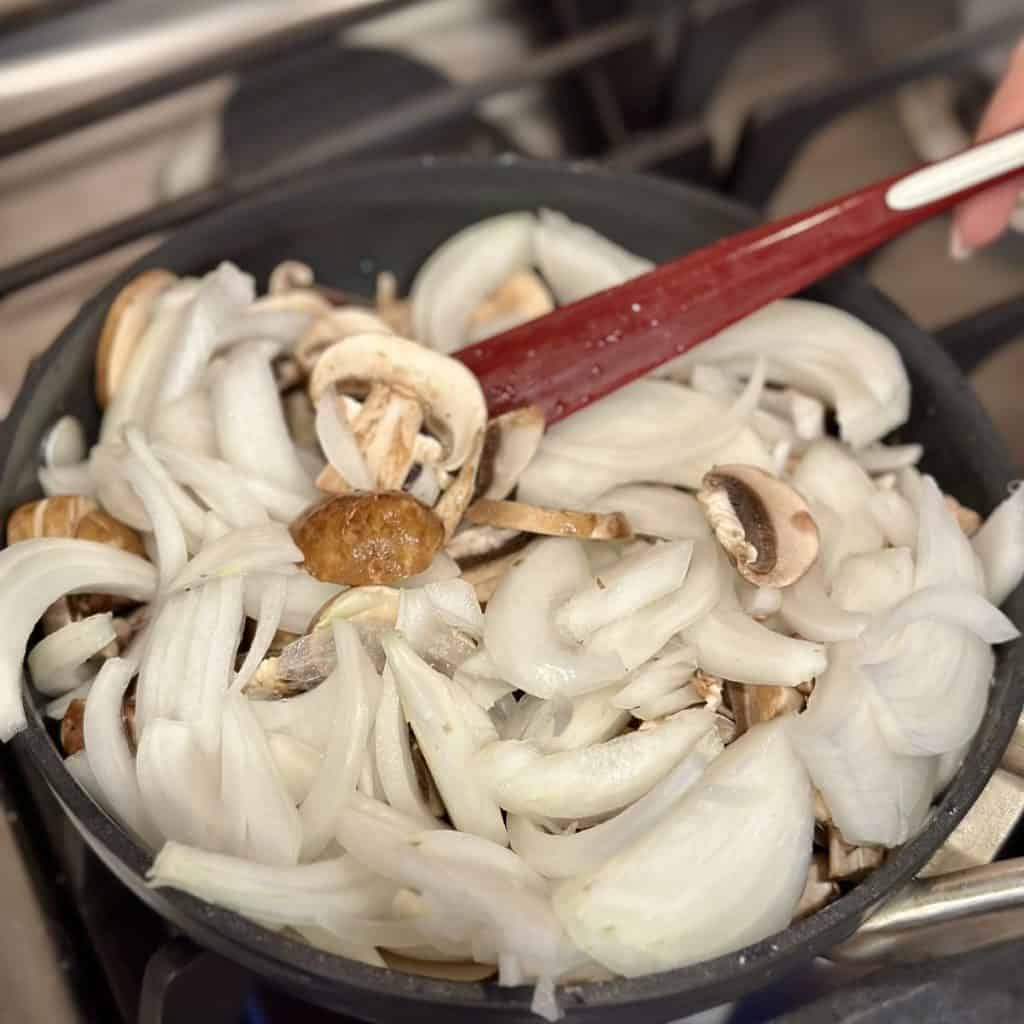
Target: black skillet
<point>350,224</point>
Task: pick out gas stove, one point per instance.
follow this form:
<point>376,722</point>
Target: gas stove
<point>121,121</point>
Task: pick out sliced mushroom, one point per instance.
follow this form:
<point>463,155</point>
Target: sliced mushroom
<point>968,520</point>
<point>313,303</point>
<point>822,814</point>
<point>452,402</point>
<point>763,523</point>
<point>367,606</point>
<point>753,704</point>
<point>288,374</point>
<point>452,505</point>
<point>521,298</point>
<point>126,320</point>
<point>455,970</point>
<point>333,327</point>
<point>362,538</point>
<point>550,522</point>
<point>386,430</point>
<point>472,543</point>
<point>71,515</point>
<point>290,275</point>
<point>511,442</point>
<point>72,728</point>
<point>819,891</point>
<point>851,863</point>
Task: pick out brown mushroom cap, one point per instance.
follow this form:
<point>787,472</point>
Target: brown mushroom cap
<point>72,728</point>
<point>762,522</point>
<point>126,320</point>
<point>71,515</point>
<point>551,522</point>
<point>362,537</point>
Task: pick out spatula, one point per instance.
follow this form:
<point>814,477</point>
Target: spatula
<point>581,352</point>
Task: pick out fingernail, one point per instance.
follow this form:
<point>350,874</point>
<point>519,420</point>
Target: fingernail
<point>958,252</point>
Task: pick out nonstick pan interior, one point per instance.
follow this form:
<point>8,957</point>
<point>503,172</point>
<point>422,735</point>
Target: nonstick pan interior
<point>349,225</point>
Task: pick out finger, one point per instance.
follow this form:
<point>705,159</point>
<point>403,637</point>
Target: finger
<point>983,218</point>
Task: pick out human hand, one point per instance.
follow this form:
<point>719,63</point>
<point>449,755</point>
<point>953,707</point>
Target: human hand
<point>983,217</point>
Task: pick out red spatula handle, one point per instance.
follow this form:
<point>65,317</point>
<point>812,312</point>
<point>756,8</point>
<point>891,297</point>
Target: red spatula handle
<point>581,352</point>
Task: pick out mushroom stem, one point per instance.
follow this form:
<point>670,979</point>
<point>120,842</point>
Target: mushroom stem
<point>386,430</point>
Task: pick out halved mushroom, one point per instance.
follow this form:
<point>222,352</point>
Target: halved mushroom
<point>753,704</point>
<point>511,441</point>
<point>126,320</point>
<point>522,297</point>
<point>452,505</point>
<point>362,537</point>
<point>763,523</point>
<point>550,522</point>
<point>820,889</point>
<point>72,728</point>
<point>71,515</point>
<point>395,312</point>
<point>386,430</point>
<point>290,275</point>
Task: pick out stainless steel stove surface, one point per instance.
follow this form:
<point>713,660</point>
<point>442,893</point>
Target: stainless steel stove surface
<point>121,120</point>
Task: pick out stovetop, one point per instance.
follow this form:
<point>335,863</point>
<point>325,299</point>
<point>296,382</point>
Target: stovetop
<point>76,946</point>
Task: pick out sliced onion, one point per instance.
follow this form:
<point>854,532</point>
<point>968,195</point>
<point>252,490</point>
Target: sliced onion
<point>743,833</point>
<point>79,769</point>
<point>262,822</point>
<point>449,728</point>
<point>304,597</point>
<point>643,634</point>
<point>808,610</point>
<point>657,678</point>
<point>520,636</point>
<point>875,581</point>
<point>339,444</point>
<point>592,780</point>
<point>353,681</point>
<point>222,295</point>
<point>732,645</point>
<point>944,554</point>
<point>283,326</point>
<point>109,755</point>
<point>74,479</point>
<point>298,763</point>
<point>562,856</point>
<point>225,628</point>
<point>441,569</point>
<point>267,624</point>
<point>186,425</point>
<point>57,709</point>
<point>577,261</point>
<point>34,574</point>
<point>895,517</point>
<point>874,796</point>
<point>306,716</point>
<point>255,549</point>
<point>178,783</point>
<point>628,586</point>
<point>999,545</point>
<point>251,429</point>
<point>219,486</point>
<point>590,718</point>
<point>480,678</point>
<point>886,458</point>
<point>656,511</point>
<point>52,661</point>
<point>155,662</point>
<point>462,272</point>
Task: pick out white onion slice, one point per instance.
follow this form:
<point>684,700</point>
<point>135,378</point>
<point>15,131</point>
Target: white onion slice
<point>449,728</point>
<point>999,545</point>
<point>109,755</point>
<point>887,458</point>
<point>225,628</point>
<point>283,326</point>
<point>625,588</point>
<point>647,908</point>
<point>732,645</point>
<point>222,295</point>
<point>479,677</point>
<point>51,661</point>
<point>589,781</point>
<point>944,554</point>
<point>34,574</point>
<point>178,784</point>
<point>657,511</point>
<point>78,768</point>
<point>251,429</point>
<point>298,763</point>
<point>57,709</point>
<point>306,716</point>
<point>262,823</point>
<point>339,444</point>
<point>353,681</point>
<point>875,581</point>
<point>304,597</point>
<point>591,718</point>
<point>250,550</point>
<point>873,795</point>
<point>657,677</point>
<point>895,517</point>
<point>267,624</point>
<point>562,856</point>
<point>186,425</point>
<point>165,627</point>
<point>462,272</point>
<point>520,636</point>
<point>577,261</point>
<point>75,479</point>
<point>808,610</point>
<point>441,569</point>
